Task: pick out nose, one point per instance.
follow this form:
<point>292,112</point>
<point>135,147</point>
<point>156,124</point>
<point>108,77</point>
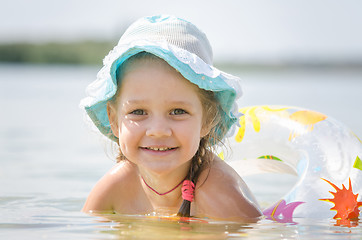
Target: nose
<point>159,127</point>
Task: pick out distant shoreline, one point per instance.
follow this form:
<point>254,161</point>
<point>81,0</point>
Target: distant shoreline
<point>93,52</point>
<point>84,52</point>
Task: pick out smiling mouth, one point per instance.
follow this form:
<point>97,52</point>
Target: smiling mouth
<point>161,149</point>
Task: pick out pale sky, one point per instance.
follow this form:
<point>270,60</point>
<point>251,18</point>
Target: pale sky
<point>238,29</point>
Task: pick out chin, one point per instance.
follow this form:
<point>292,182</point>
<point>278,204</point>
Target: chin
<point>162,168</point>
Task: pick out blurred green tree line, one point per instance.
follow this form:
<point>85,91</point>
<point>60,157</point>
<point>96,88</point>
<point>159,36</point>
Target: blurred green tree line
<point>84,52</point>
<point>93,52</point>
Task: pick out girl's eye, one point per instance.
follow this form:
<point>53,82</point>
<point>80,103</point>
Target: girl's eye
<point>138,112</point>
<point>178,112</point>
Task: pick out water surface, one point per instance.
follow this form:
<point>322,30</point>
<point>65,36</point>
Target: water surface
<point>50,159</point>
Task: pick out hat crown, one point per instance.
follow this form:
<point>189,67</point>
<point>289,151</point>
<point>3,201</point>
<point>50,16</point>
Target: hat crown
<point>184,47</point>
<point>174,31</point>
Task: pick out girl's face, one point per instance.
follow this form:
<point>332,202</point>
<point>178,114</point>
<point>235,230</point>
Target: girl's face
<point>157,117</point>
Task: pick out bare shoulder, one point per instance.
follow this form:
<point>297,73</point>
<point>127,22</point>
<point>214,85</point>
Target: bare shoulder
<point>222,194</point>
<point>110,187</point>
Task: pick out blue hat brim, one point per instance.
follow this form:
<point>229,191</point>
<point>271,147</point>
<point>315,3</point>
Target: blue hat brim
<point>190,66</point>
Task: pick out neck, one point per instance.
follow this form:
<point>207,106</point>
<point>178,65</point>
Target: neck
<point>163,190</point>
<point>163,193</point>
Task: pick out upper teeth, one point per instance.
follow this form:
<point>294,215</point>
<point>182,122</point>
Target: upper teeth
<point>158,149</point>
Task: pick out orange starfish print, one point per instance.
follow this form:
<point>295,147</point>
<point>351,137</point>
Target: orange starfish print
<point>345,202</point>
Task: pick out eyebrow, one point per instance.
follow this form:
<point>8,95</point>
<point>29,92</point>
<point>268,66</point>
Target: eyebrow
<point>130,102</point>
<point>136,102</point>
<point>182,103</point>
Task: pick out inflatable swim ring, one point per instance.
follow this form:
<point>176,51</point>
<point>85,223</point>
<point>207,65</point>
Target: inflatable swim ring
<point>322,152</point>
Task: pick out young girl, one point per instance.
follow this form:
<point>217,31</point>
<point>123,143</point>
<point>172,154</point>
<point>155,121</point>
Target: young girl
<point>161,100</point>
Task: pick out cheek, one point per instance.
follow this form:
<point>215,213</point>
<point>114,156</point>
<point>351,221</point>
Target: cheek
<point>190,136</point>
<point>128,134</point>
<point>127,128</point>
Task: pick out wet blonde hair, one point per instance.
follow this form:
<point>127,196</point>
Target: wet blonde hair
<point>211,118</point>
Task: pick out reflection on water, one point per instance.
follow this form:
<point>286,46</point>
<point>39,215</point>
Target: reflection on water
<point>47,218</point>
<point>142,227</point>
<point>49,159</point>
<point>53,223</point>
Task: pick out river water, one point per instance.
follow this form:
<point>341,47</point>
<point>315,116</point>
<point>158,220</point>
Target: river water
<point>50,159</point>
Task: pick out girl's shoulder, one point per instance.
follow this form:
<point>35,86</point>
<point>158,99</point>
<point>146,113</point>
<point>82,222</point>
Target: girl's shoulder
<point>122,172</point>
<point>119,176</point>
<point>221,193</point>
<point>218,173</point>
<point>111,186</point>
